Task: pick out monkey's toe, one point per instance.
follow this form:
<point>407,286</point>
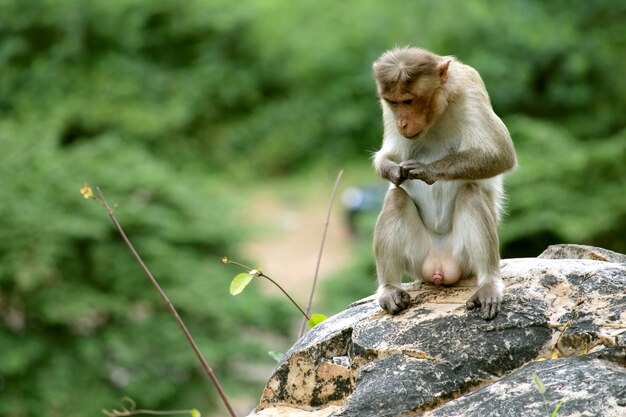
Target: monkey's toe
<point>473,302</point>
<point>490,306</point>
<point>394,300</point>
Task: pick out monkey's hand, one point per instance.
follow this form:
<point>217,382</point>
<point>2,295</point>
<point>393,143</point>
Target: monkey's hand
<point>393,299</point>
<point>392,172</point>
<point>415,170</point>
<point>488,297</point>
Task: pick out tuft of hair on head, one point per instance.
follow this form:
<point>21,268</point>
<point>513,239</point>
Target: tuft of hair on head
<point>404,65</point>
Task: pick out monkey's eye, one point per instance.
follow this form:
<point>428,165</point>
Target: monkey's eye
<point>407,101</point>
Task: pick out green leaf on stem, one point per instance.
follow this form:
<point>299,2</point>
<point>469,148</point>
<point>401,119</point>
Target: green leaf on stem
<point>240,282</point>
<point>277,356</point>
<point>316,319</point>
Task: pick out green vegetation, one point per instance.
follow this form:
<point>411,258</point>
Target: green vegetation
<point>171,106</point>
<point>542,391</point>
<point>242,280</point>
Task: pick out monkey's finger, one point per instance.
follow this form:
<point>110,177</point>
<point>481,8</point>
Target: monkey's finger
<point>415,174</point>
<point>410,164</point>
<point>407,166</point>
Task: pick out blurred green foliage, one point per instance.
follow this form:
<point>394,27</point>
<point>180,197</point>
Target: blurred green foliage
<point>167,105</point>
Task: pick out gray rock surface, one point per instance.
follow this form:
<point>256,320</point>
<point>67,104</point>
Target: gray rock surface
<point>562,319</point>
<point>582,252</point>
<point>580,382</point>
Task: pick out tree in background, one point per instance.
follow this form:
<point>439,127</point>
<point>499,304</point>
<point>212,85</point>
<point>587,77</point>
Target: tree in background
<point>169,105</point>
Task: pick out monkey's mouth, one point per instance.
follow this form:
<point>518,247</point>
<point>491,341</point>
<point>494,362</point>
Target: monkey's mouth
<point>415,136</point>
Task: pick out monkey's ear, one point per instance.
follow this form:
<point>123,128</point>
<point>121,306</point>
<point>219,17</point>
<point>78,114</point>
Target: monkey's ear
<point>443,69</point>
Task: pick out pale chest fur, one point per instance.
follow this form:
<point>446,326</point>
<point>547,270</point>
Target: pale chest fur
<point>435,202</point>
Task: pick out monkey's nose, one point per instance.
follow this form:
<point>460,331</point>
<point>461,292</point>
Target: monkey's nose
<point>402,125</point>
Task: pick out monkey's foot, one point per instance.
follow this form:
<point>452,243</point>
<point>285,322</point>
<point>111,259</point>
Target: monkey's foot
<point>488,298</point>
<point>393,299</point>
<point>437,278</point>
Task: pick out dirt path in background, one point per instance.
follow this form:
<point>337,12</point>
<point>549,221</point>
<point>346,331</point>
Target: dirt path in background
<point>287,248</point>
<point>288,251</point>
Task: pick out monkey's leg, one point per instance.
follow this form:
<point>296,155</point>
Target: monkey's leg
<point>475,241</point>
<point>400,242</point>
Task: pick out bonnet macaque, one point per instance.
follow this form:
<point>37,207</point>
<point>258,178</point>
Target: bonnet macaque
<point>444,152</point>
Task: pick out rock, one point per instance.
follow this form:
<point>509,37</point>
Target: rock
<point>562,319</point>
<point>582,252</point>
<point>580,382</point>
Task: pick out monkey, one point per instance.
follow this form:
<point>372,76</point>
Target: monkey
<point>444,152</point>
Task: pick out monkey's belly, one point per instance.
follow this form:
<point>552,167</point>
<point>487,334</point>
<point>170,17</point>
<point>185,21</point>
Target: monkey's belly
<point>435,203</point>
<point>440,268</point>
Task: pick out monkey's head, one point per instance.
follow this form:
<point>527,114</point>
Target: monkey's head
<point>409,81</point>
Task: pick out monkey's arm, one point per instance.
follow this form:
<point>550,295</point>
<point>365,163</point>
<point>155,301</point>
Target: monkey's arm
<point>470,164</point>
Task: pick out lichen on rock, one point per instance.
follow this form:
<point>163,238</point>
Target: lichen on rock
<point>563,319</point>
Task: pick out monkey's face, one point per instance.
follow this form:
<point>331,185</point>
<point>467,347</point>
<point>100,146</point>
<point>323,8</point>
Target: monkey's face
<point>412,108</point>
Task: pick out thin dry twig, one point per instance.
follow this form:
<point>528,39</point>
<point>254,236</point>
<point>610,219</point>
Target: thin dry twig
<point>169,304</point>
<point>319,255</point>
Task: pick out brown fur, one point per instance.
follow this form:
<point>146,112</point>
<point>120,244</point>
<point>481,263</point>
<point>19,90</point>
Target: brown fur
<point>445,150</point>
<point>402,66</point>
